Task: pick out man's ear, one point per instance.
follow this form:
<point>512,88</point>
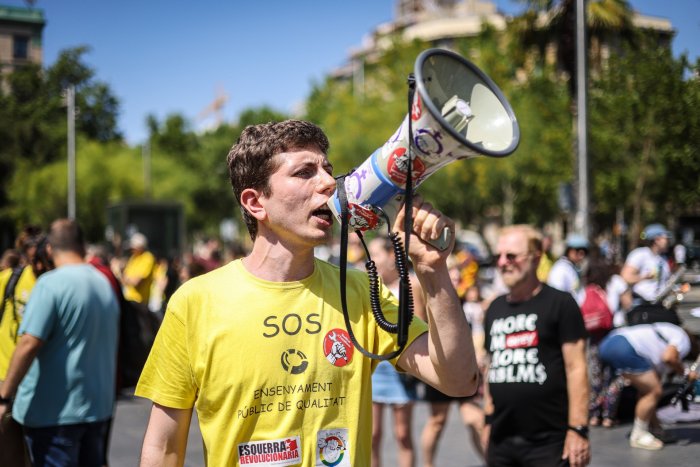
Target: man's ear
<point>250,200</point>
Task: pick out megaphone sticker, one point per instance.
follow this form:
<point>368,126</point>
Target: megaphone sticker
<point>427,141</point>
<point>457,112</point>
<point>397,166</point>
<point>360,218</point>
<point>416,108</point>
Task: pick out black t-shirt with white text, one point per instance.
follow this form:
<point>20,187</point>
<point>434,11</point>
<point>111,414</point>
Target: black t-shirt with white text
<point>527,380</point>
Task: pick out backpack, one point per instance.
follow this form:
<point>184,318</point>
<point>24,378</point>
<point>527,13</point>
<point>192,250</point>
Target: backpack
<point>595,310</point>
<point>9,293</point>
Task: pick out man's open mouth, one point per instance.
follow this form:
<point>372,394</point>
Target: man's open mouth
<point>323,213</point>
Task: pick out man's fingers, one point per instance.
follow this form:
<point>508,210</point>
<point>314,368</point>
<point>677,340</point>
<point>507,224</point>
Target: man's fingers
<point>429,223</point>
<point>577,457</point>
<point>400,217</point>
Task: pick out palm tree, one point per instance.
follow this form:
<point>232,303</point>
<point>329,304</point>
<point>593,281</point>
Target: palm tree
<point>550,25</point>
<point>550,28</point>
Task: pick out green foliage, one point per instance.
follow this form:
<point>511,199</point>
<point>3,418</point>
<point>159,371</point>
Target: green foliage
<point>645,116</point>
<point>191,168</point>
<point>644,125</point>
<point>33,126</point>
<point>38,194</point>
<point>358,121</point>
<point>465,190</point>
<point>543,159</point>
<point>186,167</point>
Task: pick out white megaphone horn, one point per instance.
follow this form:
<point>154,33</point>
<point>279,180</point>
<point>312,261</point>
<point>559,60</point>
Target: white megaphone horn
<point>457,113</point>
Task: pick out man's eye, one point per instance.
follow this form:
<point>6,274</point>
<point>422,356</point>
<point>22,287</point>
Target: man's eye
<point>304,173</point>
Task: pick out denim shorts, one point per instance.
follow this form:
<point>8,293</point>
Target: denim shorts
<point>389,387</point>
<point>617,352</point>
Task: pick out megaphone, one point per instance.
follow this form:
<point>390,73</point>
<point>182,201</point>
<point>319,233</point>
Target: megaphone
<point>456,113</point>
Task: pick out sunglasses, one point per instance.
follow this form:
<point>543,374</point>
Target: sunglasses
<point>512,257</point>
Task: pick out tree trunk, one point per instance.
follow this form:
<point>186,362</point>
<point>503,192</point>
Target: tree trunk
<point>637,198</point>
<point>508,203</point>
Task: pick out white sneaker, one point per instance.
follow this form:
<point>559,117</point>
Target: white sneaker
<point>645,440</point>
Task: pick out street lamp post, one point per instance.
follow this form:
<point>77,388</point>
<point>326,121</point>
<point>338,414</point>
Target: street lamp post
<point>581,218</point>
<point>70,98</point>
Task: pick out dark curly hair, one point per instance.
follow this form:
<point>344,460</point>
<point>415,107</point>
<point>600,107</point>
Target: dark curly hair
<point>251,160</point>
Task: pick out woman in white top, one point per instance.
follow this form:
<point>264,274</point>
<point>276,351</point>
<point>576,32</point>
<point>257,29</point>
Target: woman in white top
<point>643,353</point>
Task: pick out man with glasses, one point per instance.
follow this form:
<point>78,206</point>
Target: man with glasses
<point>536,392</point>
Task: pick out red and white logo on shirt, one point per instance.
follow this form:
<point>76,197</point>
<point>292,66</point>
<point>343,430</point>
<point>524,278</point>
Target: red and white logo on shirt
<point>277,452</point>
<point>522,339</point>
<point>337,347</point>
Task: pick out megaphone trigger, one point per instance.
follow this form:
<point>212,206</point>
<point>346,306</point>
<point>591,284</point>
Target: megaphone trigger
<point>443,242</point>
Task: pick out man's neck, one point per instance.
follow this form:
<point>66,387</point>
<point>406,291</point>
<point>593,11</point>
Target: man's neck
<point>525,291</point>
<point>277,262</point>
<point>65,258</point>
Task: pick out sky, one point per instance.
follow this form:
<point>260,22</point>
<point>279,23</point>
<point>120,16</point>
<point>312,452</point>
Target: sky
<point>161,57</point>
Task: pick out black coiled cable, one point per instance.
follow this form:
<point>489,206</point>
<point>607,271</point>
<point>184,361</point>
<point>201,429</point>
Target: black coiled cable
<point>405,312</point>
<point>402,268</point>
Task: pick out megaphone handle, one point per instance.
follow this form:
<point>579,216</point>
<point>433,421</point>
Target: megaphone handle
<point>443,242</point>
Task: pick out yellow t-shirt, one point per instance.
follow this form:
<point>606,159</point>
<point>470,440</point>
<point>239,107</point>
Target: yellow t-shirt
<point>12,317</point>
<point>269,366</point>
<point>142,266</point>
<point>544,267</point>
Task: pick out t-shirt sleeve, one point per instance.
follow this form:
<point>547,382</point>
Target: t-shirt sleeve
<point>40,313</point>
<point>679,339</point>
<point>635,259</point>
<point>557,278</point>
<point>571,326</point>
<point>167,377</point>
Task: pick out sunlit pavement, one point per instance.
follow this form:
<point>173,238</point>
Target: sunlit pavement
<point>610,446</point>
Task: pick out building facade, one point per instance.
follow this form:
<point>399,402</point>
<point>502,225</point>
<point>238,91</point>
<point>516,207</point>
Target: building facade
<point>20,37</point>
<point>440,22</point>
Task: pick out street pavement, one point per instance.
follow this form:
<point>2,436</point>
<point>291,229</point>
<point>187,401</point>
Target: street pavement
<point>610,446</point>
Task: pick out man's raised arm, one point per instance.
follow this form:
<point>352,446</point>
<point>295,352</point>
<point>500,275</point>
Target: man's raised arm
<point>444,357</point>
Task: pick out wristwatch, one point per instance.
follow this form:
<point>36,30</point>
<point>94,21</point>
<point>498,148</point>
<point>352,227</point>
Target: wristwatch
<point>5,400</point>
<point>581,430</point>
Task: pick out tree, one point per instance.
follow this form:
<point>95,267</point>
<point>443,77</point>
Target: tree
<point>547,23</point>
<point>33,117</point>
<point>645,116</point>
<point>469,191</point>
<point>105,174</point>
<point>177,153</point>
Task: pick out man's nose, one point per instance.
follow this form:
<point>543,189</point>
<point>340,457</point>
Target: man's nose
<point>326,183</point>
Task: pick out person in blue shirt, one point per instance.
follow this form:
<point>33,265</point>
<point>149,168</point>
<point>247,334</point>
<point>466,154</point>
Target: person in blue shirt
<point>62,374</point>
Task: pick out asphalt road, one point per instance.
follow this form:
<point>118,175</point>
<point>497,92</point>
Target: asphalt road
<point>610,446</point>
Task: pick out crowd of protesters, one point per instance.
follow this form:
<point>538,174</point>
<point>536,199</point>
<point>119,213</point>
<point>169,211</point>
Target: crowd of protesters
<point>59,336</point>
<point>617,354</point>
<point>604,293</point>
